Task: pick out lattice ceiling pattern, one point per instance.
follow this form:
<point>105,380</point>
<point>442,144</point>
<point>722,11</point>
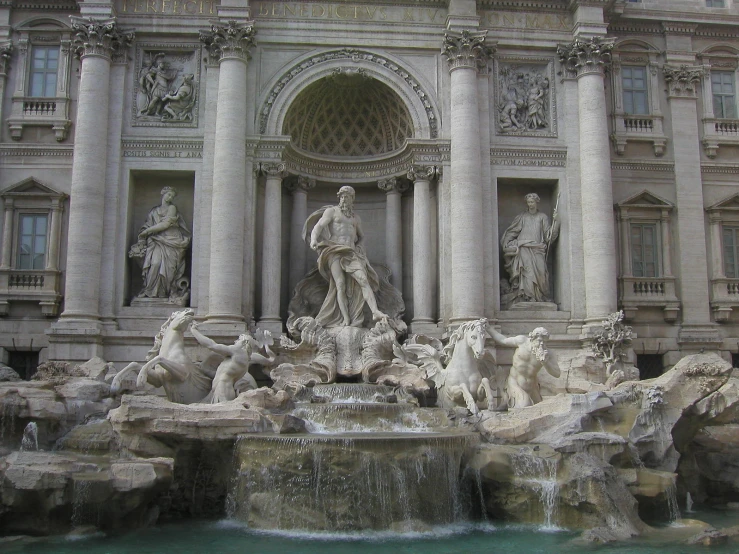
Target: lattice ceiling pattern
<point>348,115</point>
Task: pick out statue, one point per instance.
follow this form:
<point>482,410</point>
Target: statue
<point>337,237</point>
<point>235,364</point>
<point>154,82</point>
<point>526,244</point>
<point>167,365</point>
<point>163,242</point>
<point>530,356</point>
<point>180,104</point>
<point>465,380</point>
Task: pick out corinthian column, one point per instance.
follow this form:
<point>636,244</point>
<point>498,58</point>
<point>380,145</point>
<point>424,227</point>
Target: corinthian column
<point>587,60</point>
<point>466,53</point>
<point>300,190</point>
<point>272,248</point>
<point>95,42</point>
<point>423,294</point>
<point>393,229</point>
<point>230,44</point>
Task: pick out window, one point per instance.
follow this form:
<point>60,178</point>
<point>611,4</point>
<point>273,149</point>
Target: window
<point>644,261</point>
<point>724,100</point>
<point>731,260</point>
<point>32,241</point>
<point>634,83</point>
<point>714,3</point>
<point>44,66</point>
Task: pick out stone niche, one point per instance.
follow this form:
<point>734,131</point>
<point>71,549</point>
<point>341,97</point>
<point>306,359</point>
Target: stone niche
<point>511,203</point>
<point>146,194</point>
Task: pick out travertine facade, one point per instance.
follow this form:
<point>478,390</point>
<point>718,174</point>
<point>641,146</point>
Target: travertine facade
<point>442,114</point>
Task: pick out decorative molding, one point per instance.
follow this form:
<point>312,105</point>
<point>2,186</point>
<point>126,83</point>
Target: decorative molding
<point>423,173</point>
<point>683,81</point>
<point>466,49</point>
<point>302,183</point>
<point>643,166</point>
<point>528,157</point>
<point>726,169</point>
<point>270,169</point>
<point>24,150</point>
<point>353,55</point>
<point>98,37</point>
<point>392,185</point>
<point>232,40</point>
<point>583,57</point>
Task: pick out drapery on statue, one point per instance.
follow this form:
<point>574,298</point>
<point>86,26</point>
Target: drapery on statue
<point>525,247</point>
<point>154,83</point>
<point>163,242</point>
<point>179,105</point>
<point>530,356</point>
<point>337,237</point>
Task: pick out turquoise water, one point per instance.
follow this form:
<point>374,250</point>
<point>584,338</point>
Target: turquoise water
<point>227,537</point>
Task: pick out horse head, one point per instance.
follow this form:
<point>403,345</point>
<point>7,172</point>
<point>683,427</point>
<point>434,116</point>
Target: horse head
<point>474,336</point>
<point>181,319</point>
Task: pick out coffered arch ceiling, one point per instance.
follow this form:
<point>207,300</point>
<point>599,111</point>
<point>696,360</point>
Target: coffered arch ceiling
<point>348,115</point>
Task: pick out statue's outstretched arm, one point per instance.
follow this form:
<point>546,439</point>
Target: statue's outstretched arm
<point>209,343</point>
<point>506,341</point>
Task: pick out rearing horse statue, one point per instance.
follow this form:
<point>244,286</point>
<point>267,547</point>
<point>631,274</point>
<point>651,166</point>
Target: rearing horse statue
<point>168,366</point>
<point>465,379</point>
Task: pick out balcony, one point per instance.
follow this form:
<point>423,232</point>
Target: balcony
<point>40,112</point>
<point>717,132</point>
<point>638,128</point>
<point>649,292</point>
<point>20,285</point>
<point>724,297</point>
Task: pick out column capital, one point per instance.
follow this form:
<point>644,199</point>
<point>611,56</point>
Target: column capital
<point>229,41</point>
<point>272,169</point>
<point>9,203</point>
<point>683,81</point>
<point>301,184</point>
<point>423,172</point>
<point>392,185</point>
<point>583,57</point>
<point>98,37</point>
<point>6,52</point>
<point>466,49</point>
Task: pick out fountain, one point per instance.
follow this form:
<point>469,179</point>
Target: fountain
<point>29,442</point>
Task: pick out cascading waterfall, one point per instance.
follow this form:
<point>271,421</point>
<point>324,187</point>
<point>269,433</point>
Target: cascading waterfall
<point>540,473</point>
<point>689,504</point>
<point>672,506</point>
<point>30,438</point>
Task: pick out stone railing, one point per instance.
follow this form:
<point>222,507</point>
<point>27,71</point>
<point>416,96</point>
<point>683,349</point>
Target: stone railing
<point>39,112</point>
<point>638,128</point>
<point>724,297</point>
<point>41,286</point>
<point>649,292</point>
<point>726,127</point>
<point>717,132</point>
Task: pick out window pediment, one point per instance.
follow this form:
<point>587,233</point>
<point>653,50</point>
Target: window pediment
<point>31,188</point>
<point>730,204</point>
<point>645,199</point>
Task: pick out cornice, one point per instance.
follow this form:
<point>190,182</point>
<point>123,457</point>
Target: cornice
<point>551,5</point>
<point>161,144</point>
<point>45,5</point>
<point>24,150</point>
<point>727,169</point>
<point>643,166</point>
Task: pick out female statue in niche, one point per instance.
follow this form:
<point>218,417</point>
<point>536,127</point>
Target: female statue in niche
<point>163,242</point>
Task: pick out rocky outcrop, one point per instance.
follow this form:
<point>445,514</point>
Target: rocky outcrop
<point>49,492</point>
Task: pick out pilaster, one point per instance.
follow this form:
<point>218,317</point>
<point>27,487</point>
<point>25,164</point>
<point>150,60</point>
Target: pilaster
<point>300,188</point>
<point>393,189</point>
<point>272,248</point>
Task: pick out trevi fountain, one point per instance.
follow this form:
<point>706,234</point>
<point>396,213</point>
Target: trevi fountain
<point>348,433</point>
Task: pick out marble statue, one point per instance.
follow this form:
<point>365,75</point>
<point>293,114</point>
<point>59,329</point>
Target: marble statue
<point>179,105</point>
<point>461,370</point>
<point>530,356</point>
<point>526,244</point>
<point>168,365</point>
<point>337,237</point>
<point>154,82</point>
<point>162,245</point>
<point>523,99</point>
<point>235,364</point>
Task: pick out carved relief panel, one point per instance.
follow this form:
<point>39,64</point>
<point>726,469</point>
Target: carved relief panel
<point>525,103</point>
<point>166,85</point>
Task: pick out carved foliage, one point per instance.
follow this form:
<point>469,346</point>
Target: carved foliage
<point>683,81</point>
<point>232,40</point>
<point>423,172</point>
<point>392,184</point>
<point>466,49</point>
<point>100,37</point>
<point>525,102</point>
<point>586,56</point>
<point>166,87</point>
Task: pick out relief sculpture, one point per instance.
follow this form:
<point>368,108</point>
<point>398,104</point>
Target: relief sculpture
<point>524,99</point>
<point>166,89</point>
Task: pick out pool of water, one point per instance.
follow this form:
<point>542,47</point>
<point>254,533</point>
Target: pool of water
<point>225,537</point>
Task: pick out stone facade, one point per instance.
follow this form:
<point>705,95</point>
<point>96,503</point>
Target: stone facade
<point>443,115</point>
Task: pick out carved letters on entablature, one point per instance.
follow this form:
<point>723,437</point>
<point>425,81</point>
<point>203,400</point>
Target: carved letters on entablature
<point>355,56</point>
<point>583,57</point>
<point>467,49</point>
<point>683,81</point>
<point>166,86</point>
<point>525,98</point>
<point>98,37</point>
<point>527,157</point>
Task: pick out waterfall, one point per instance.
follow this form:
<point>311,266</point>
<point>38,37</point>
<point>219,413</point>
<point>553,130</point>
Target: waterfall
<point>689,504</point>
<point>539,473</point>
<point>30,438</point>
<point>672,507</point>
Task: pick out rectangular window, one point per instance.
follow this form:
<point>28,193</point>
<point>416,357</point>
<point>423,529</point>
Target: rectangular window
<point>715,3</point>
<point>44,66</point>
<point>644,250</point>
<point>731,246</point>
<point>32,241</point>
<point>724,97</point>
<point>634,83</point>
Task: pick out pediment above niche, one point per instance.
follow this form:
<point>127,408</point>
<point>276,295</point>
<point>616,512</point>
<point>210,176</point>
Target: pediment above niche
<point>730,203</point>
<point>31,188</point>
<point>645,199</point>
